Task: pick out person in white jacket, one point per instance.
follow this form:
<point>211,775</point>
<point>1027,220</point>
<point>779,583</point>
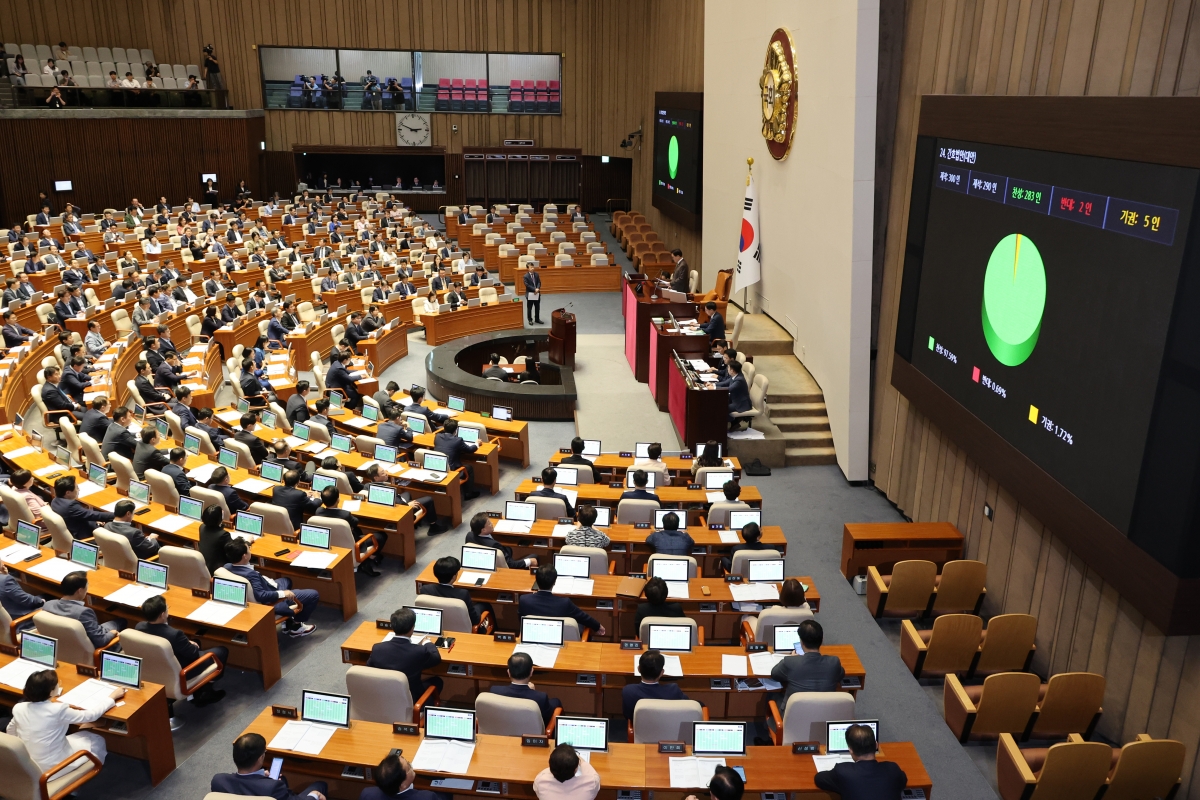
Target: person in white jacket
<point>42,724</point>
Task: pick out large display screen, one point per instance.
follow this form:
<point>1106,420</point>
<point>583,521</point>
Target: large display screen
<point>677,158</point>
<point>1046,288</point>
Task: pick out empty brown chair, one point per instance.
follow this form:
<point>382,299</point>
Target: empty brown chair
<point>1145,768</point>
<point>1072,770</point>
<point>960,588</point>
<point>640,251</point>
<point>951,646</point>
<point>632,241</point>
<point>1069,703</point>
<point>906,592</point>
<point>619,218</point>
<point>1005,703</point>
<point>1007,645</point>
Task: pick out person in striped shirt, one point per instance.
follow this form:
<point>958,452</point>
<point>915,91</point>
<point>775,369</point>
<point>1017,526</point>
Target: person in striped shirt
<point>586,535</point>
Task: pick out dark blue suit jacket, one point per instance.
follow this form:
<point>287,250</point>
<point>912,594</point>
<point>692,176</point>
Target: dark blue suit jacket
<point>254,785</point>
<point>640,494</point>
<point>545,492</point>
<point>452,445</point>
<point>632,692</point>
<point>546,604</point>
<point>375,793</point>
<point>739,394</point>
<point>522,692</point>
<point>401,655</point>
<point>80,519</point>
<point>232,498</point>
<point>296,502</point>
<point>863,780</point>
<point>16,601</point>
<point>715,327</point>
<point>393,435</point>
<point>263,592</point>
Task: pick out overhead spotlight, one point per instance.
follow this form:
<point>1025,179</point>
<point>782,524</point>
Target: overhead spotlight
<point>628,141</point>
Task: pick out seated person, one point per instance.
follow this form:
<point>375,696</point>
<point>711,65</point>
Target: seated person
<point>147,455</point>
<point>297,502</point>
<point>567,778</point>
<point>249,753</point>
<point>445,569</point>
<point>725,784</point>
<point>656,604</point>
<point>81,520</point>
<point>810,672</point>
<point>638,492</point>
<point>585,535</point>
<point>276,592</point>
<point>245,435</point>
<point>752,538</point>
<point>41,723</point>
<point>394,777</point>
<point>864,778</point>
<point>144,545</point>
<point>495,370</point>
<point>544,603</point>
<point>653,461</point>
<point>393,432</point>
<point>715,327</point>
<point>670,540</point>
<point>520,672</point>
<point>417,396</point>
<point>577,458</point>
<point>73,604</point>
<point>186,651</point>
<point>481,535</point>
<point>739,392</point>
<point>204,420</point>
<point>15,600</point>
<point>214,535</point>
<point>401,655</point>
<point>651,665</point>
<point>549,476</point>
<point>33,494</point>
<point>330,497</point>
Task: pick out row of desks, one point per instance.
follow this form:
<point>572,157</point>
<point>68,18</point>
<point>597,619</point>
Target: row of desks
<point>668,496</point>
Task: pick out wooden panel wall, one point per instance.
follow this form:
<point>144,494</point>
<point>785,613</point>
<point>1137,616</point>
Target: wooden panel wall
<point>1042,47</point>
<point>111,160</point>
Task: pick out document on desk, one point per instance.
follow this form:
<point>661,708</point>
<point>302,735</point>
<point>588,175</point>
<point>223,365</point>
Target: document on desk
<point>215,613</point>
<point>567,584</point>
<point>55,569</point>
<point>561,531</point>
<point>134,594</point>
<point>87,487</point>
<point>572,494</point>
<point>88,694</point>
<point>513,526</point>
<point>357,422</point>
<point>44,471</point>
<point>762,663</point>
<point>313,740</point>
<point>715,497</point>
<point>202,473</point>
<point>698,363</point>
<point>543,655</point>
<point>289,735</point>
<point>678,589</point>
<point>294,441</point>
<point>274,369</point>
<point>416,474</point>
<point>733,665</point>
<point>193,362</point>
<point>707,377</point>
<point>21,451</point>
<point>672,668</point>
<point>825,763</point>
<point>743,592</point>
<point>229,417</point>
<point>470,578</point>
<point>172,523</point>
<point>311,559</point>
<point>693,771</point>
<point>253,485</point>
<point>16,673</point>
<point>443,755</point>
<point>314,448</point>
<point>729,537</point>
<point>279,383</point>
<point>16,553</point>
<point>352,505</point>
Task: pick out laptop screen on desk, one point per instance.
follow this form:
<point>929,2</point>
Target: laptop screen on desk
<point>521,512</point>
<point>541,630</point>
<point>429,620</point>
<point>502,413</point>
<point>139,491</point>
<point>370,412</point>
<point>314,536</point>
<point>698,450</point>
<point>28,533</point>
<point>670,569</point>
<point>447,723</point>
<point>335,399</point>
<point>385,454</point>
<point>716,480</point>
<point>120,668</point>
<point>766,570</point>
<point>591,448</point>
<point>191,508</point>
<point>660,514</point>
<point>150,573</point>
<point>381,495</point>
<point>271,471</point>
<point>603,516</point>
<point>341,443</point>
<point>719,738</point>
<point>300,431</point>
<point>39,649</point>
<point>319,481</point>
<point>785,637</point>
<point>84,553</point>
<point>642,449</point>
<point>455,403</point>
<point>191,443</point>
<point>478,558</point>
<point>837,733</point>
<point>670,637</point>
<point>468,435</point>
<point>740,519</point>
<point>566,476</point>
<point>572,566</point>
<point>97,474</point>
<point>582,733</point>
<point>227,591</point>
<point>241,406</point>
<point>250,524</point>
<point>326,709</point>
<point>227,458</point>
<point>416,424</point>
<point>436,462</point>
<point>268,418</point>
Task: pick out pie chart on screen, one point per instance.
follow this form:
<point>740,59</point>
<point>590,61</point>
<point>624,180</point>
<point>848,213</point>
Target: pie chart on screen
<point>673,157</point>
<point>1014,299</point>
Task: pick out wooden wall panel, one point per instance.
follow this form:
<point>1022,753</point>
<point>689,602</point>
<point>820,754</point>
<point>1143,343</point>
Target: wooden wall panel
<point>1046,47</point>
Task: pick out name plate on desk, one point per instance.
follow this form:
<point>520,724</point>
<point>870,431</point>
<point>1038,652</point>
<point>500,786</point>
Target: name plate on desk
<point>618,548</point>
<point>405,729</point>
<point>733,578</point>
<point>626,454</point>
<point>504,597</point>
<point>686,456</point>
<point>806,748</point>
<point>565,521</point>
<point>708,608</point>
<point>536,480</point>
<point>383,624</point>
<point>756,647</point>
<point>125,576</point>
<point>504,637</point>
<point>492,787</point>
<point>9,650</point>
<point>614,485</point>
<point>85,670</point>
<point>585,679</point>
<point>457,669</point>
<point>494,515</point>
<point>693,486</point>
<point>290,539</point>
<point>678,748</point>
<point>629,794</point>
<point>201,593</point>
<point>631,644</point>
<point>535,741</point>
<point>720,684</point>
<point>566,451</point>
<point>287,712</point>
<point>604,605</point>
<point>715,526</point>
<point>640,575</point>
<point>642,526</point>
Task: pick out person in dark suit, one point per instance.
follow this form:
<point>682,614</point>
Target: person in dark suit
<point>276,332</point>
<point>445,569</point>
<point>340,378</point>
<point>95,421</point>
<point>143,545</point>
<point>417,395</point>
<point>577,457</point>
<point>865,778</point>
<point>186,651</point>
<point>118,439</point>
<point>182,407</point>
<point>715,327</point>
<point>230,311</point>
<point>74,382</point>
<point>394,778</point>
<point>152,397</point>
<point>393,432</point>
<point>355,332</point>
<point>481,536</point>
<point>213,537</point>
<point>656,604</point>
<point>176,471</point>
<point>448,442</point>
<point>638,492</point>
<point>249,752</point>
<point>330,497</point>
<point>670,540</point>
<point>495,370</point>
<point>725,784</point>
<point>53,395</point>
<point>544,603</point>
<point>401,655</point>
<point>520,670</point>
<point>277,593</point>
<point>297,404</point>
<point>680,278</point>
<point>739,392</point>
<point>650,666</point>
<point>219,483</point>
<point>810,672</point>
<point>549,476</point>
<point>533,294</point>
<point>15,335</point>
<point>296,501</point>
<point>147,455</point>
<point>73,605</point>
<point>245,435</point>
<point>204,423</point>
<point>752,538</point>
<point>169,373</point>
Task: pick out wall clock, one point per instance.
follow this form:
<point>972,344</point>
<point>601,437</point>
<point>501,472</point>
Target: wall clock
<point>412,130</point>
<point>777,89</point>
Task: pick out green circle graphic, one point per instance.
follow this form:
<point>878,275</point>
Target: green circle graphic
<point>1014,299</point>
<point>673,157</point>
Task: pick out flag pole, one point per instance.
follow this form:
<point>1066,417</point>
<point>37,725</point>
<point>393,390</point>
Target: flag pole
<point>746,289</point>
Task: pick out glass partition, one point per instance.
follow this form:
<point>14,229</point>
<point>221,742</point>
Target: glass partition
<point>525,83</point>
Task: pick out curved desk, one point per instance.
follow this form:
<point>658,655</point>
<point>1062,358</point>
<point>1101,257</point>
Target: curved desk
<point>442,328</point>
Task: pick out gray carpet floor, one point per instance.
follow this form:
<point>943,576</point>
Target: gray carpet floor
<point>811,503</point>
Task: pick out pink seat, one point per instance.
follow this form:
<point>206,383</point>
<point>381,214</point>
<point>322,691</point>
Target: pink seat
<point>528,85</point>
<point>456,83</point>
<point>554,86</point>
<point>482,83</point>
<point>443,83</point>
<point>541,86</point>
<point>456,94</point>
<point>443,94</point>
<point>470,83</point>
<point>513,85</point>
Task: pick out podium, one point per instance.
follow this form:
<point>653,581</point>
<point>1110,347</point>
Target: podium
<point>641,305</point>
<point>699,414</point>
<point>562,338</point>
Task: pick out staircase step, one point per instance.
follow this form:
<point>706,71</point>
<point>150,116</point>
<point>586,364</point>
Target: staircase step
<point>765,347</point>
<point>775,398</point>
<point>820,438</point>
<point>788,410</point>
<point>799,424</point>
<point>809,456</point>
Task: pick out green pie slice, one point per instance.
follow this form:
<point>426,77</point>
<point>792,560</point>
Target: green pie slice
<point>1014,299</point>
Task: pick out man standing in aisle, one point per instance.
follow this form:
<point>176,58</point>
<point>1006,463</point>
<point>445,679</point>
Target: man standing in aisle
<point>680,277</point>
<point>533,294</point>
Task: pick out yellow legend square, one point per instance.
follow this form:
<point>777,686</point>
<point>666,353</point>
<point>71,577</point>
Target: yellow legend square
<point>1033,414</point>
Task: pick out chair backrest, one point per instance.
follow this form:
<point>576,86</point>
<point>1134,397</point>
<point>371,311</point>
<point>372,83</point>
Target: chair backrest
<point>911,586</point>
<point>340,534</point>
<point>343,483</point>
<point>508,716</point>
<point>74,646</point>
<point>630,512</point>
<point>123,469</point>
<point>772,616</point>
<point>718,513</point>
<point>737,330</point>
<point>117,552</point>
<point>175,424</point>
<point>665,720</point>
<point>206,446</point>
<point>185,567</point>
<point>1073,771</point>
<point>488,295</point>
<point>741,560</point>
<point>245,459</point>
<point>211,497</point>
<point>281,418</point>
<point>366,444</point>
<point>6,627</point>
<point>73,443</point>
<point>60,537</point>
<point>1006,703</point>
<point>16,506</point>
<point>159,664</point>
<point>379,695</point>
<point>162,488</point>
<point>960,587</point>
<point>1146,768</point>
<point>1007,645</point>
<point>276,520</point>
<point>547,507</point>
<point>1070,705</point>
<point>598,557</point>
<point>693,567</point>
<point>806,713</point>
<point>455,615</point>
<point>91,450</point>
<point>644,629</point>
<point>21,775</point>
<point>953,643</point>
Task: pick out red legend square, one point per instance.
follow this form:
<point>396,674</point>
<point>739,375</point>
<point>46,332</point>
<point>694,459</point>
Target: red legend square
<point>975,374</point>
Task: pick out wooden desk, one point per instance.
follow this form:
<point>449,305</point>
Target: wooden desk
<point>638,311</point>
<point>21,382</point>
<point>617,613</point>
<point>246,333</point>
<point>503,759</point>
<point>882,544</point>
<point>384,350</point>
<point>617,465</point>
<point>582,277</point>
<point>441,328</point>
<point>663,344</point>
<point>668,496</point>
<point>301,287</point>
<point>139,728</point>
<point>699,411</point>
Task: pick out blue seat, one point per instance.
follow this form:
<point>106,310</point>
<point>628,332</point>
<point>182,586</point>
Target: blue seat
<point>294,98</point>
<point>389,101</point>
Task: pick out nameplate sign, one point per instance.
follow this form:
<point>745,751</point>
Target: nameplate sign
<point>631,644</point>
<point>733,578</point>
<point>384,624</point>
<point>504,637</point>
<point>626,454</point>
<point>675,748</point>
<point>84,669</point>
<point>405,729</point>
<point>715,526</point>
<point>125,576</point>
<point>756,647</point>
<point>287,712</point>
<point>806,748</point>
<point>535,741</point>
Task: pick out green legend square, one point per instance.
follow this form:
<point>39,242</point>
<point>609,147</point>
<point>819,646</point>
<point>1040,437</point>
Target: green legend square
<point>930,342</point>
